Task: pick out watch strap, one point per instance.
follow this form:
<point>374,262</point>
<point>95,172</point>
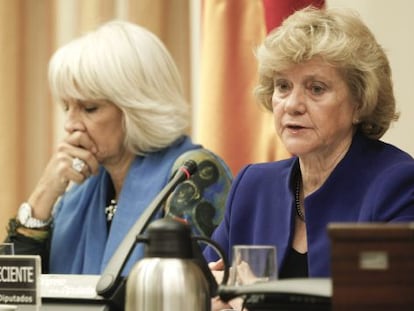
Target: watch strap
<point>25,218</point>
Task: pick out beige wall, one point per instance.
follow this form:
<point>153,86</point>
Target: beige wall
<point>30,30</point>
<point>393,24</point>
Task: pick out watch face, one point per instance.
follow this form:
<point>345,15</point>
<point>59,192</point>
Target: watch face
<point>24,216</point>
<point>24,213</point>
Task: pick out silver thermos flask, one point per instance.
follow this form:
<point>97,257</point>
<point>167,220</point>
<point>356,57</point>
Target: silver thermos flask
<point>169,277</point>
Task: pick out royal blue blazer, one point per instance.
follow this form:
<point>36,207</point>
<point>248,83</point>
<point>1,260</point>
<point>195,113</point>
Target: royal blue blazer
<point>374,182</point>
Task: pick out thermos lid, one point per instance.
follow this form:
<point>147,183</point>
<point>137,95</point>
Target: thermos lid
<point>168,238</point>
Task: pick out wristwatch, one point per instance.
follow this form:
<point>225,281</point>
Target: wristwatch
<point>24,216</point>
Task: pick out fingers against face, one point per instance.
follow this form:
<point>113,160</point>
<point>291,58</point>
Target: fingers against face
<point>75,149</point>
<point>81,140</point>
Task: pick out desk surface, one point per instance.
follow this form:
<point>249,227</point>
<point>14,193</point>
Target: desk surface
<point>65,307</point>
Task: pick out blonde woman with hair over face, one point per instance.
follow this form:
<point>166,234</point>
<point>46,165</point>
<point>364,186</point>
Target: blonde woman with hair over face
<point>327,82</point>
<point>126,124</point>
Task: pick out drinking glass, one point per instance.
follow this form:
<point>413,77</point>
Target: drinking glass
<point>253,264</point>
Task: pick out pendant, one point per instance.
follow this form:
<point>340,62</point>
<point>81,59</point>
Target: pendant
<point>110,210</point>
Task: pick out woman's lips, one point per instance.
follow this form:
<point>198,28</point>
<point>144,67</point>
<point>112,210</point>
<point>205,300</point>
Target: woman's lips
<point>295,128</point>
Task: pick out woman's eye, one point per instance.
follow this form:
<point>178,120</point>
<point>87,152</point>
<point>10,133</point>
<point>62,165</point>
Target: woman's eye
<point>317,89</point>
<point>90,109</point>
<point>281,86</point>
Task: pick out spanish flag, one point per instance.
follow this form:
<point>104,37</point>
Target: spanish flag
<point>230,121</point>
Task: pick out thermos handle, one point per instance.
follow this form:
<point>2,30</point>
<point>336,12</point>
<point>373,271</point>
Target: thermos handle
<point>200,260</point>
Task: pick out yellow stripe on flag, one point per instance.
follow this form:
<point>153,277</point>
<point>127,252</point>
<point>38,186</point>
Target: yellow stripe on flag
<point>230,121</point>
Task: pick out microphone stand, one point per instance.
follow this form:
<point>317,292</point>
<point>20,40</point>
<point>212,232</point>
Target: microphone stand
<point>111,285</point>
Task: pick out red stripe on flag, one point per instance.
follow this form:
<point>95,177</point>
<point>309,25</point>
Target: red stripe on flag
<point>277,10</point>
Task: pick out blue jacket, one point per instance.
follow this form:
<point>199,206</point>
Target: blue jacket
<point>374,182</point>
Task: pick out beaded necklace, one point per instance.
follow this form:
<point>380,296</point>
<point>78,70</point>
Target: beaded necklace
<point>297,198</point>
<point>110,210</point>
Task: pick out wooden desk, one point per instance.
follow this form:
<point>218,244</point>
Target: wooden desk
<point>372,266</point>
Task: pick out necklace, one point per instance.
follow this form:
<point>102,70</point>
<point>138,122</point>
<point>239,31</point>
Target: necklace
<point>110,210</point>
<point>297,200</point>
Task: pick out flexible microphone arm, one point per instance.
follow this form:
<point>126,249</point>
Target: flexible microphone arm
<point>110,278</point>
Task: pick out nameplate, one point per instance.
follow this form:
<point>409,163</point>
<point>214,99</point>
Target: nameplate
<point>69,286</point>
<point>20,280</point>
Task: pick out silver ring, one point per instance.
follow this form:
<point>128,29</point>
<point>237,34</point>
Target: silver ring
<point>78,164</point>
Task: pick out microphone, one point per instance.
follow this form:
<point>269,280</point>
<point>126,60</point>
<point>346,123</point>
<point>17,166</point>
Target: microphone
<point>110,279</point>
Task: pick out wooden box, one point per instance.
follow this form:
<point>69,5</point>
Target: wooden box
<point>372,266</point>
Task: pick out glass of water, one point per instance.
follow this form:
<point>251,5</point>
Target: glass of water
<point>253,264</point>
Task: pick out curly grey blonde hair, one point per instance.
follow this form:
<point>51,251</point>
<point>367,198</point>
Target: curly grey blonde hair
<point>341,39</point>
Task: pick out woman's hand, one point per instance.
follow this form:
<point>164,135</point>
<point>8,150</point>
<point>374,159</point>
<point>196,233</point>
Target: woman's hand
<point>245,274</point>
<point>60,171</point>
<point>217,304</point>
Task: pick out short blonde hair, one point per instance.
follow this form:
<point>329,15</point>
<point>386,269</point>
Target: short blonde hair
<point>341,39</point>
<point>128,66</point>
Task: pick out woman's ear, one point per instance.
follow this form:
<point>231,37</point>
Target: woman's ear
<point>356,119</point>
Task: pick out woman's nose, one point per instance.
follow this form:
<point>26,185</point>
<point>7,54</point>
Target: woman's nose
<point>73,121</point>
<point>295,102</point>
